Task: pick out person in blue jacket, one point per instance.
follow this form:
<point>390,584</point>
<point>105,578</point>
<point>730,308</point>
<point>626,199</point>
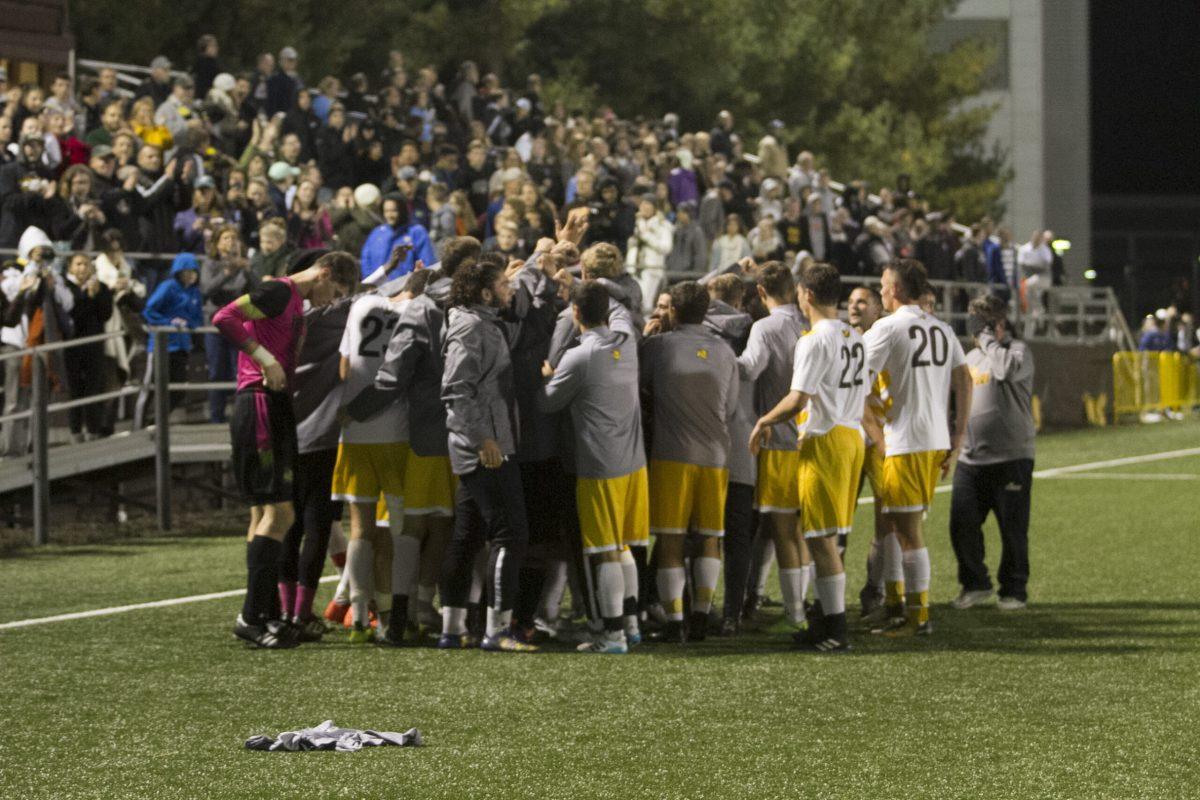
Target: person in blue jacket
<point>175,302</point>
<point>396,231</point>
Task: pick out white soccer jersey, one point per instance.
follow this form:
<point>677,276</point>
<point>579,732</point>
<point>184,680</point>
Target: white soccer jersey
<point>830,365</point>
<point>368,331</point>
<point>918,352</point>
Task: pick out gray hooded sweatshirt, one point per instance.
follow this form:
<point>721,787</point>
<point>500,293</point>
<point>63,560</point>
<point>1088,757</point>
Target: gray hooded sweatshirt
<point>477,386</point>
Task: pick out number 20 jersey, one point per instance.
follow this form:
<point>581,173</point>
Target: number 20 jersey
<point>368,331</point>
<point>918,351</point>
<point>830,365</point>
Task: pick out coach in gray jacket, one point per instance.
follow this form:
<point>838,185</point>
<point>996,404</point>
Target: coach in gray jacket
<point>996,466</point>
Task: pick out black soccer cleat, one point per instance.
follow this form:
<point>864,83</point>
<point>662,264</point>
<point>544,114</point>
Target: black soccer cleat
<point>272,635</point>
<point>697,626</point>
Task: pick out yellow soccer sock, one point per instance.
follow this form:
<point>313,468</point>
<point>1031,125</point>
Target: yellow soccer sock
<point>918,607</point>
<point>893,592</point>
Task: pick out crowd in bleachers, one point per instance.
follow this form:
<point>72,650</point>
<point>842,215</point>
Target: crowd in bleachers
<point>242,169</point>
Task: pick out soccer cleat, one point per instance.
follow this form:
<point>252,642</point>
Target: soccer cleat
<point>672,633</point>
<point>335,612</point>
<point>907,629</point>
<point>1010,604</point>
<point>456,641</point>
<point>829,646</point>
<point>362,635</point>
<point>273,635</point>
<point>753,603</point>
<point>506,643</point>
<point>803,637</point>
<point>633,637</point>
<point>523,634</point>
<point>730,627</point>
<point>970,598</point>
<point>697,626</point>
<point>310,630</point>
<point>868,600</point>
<point>548,628</point>
<point>882,616</point>
<point>393,636</point>
<point>605,645</point>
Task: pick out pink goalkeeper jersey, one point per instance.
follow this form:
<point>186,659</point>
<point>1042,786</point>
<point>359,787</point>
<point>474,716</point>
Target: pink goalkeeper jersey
<point>272,315</point>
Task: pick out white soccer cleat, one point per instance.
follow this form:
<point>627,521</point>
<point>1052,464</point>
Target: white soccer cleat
<point>970,599</point>
<point>1010,604</point>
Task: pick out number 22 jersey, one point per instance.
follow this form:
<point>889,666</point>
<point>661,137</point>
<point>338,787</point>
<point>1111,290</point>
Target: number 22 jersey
<point>368,331</point>
<point>918,352</point>
<point>830,365</point>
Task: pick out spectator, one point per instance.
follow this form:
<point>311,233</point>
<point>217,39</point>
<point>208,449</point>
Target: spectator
<point>765,242</point>
<point>647,248</point>
<point>1002,265</point>
<point>207,67</point>
<point>26,188</point>
<point>283,85</point>
<point>112,121</point>
<point>151,132</point>
<point>115,271</point>
<point>194,225</point>
<point>274,252</point>
<point>354,215</point>
<point>309,224</point>
<point>815,232</point>
<point>689,249</point>
<point>176,111</point>
<point>1034,260</point>
<point>443,222</point>
<point>75,214</point>
<point>224,277</point>
<point>506,242</point>
<point>1154,338</point>
<point>1058,270</point>
<point>92,306</point>
<point>712,210</point>
<point>259,209</point>
<point>873,247</point>
<point>176,303</point>
<point>334,148</point>
<point>731,246</point>
<point>395,232</point>
<point>770,200</point>
<point>970,263</point>
<point>682,180</point>
<point>282,177</point>
<point>802,176</point>
<point>612,218</point>
<point>158,85</point>
<point>721,137</point>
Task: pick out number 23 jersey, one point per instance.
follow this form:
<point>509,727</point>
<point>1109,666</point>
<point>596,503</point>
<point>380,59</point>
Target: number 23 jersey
<point>918,351</point>
<point>368,331</point>
<point>830,365</point>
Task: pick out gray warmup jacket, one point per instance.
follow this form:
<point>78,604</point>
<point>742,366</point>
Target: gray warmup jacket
<point>1001,424</point>
<point>691,376</point>
<point>734,326</point>
<point>598,381</point>
<point>318,383</point>
<point>767,362</point>
<point>477,386</point>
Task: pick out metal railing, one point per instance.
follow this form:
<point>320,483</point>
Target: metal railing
<point>40,409</point>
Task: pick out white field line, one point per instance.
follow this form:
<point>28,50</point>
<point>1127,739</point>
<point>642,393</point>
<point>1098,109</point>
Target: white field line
<point>104,612</point>
<point>197,598</point>
<point>1126,476</point>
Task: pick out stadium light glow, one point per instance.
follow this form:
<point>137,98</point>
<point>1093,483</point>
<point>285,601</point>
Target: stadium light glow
<point>1089,274</point>
<point>1061,245</point>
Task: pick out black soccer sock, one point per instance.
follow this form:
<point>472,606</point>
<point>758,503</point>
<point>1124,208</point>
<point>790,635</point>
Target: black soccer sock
<point>262,567</point>
<point>646,583</point>
<point>400,609</point>
<point>529,593</point>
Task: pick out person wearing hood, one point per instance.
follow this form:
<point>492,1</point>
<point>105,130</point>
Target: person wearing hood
<point>86,368</point>
<point>39,308</point>
<point>176,302</point>
<point>27,190</point>
<point>396,233</point>
<point>689,248</point>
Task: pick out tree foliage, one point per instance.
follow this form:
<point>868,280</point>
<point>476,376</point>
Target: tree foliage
<point>855,81</point>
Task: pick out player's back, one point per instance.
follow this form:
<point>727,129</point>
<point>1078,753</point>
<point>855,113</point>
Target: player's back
<point>368,331</point>
<point>918,352</point>
<point>830,366</point>
<point>606,412</point>
<point>694,378</point>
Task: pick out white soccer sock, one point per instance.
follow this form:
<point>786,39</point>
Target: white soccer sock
<point>765,559</point>
<point>705,574</point>
<point>454,620</point>
<point>553,586</point>
<point>831,591</point>
<point>337,543</point>
<point>875,565</point>
<point>630,574</point>
<point>360,564</point>
<point>498,621</point>
<point>893,559</point>
<point>341,595</point>
<point>792,585</point>
<point>671,581</point>
<point>810,576</point>
<point>610,589</point>
<point>916,570</point>
<point>406,562</point>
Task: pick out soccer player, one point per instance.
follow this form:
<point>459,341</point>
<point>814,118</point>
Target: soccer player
<point>924,363</point>
<point>267,325</point>
<point>480,416</point>
<point>598,382</point>
<point>691,376</point>
<point>864,308</point>
<point>829,382</point>
<point>412,371</point>
<point>370,469</point>
<point>768,362</point>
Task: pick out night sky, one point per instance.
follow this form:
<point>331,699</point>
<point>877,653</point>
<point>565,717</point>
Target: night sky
<point>1145,62</point>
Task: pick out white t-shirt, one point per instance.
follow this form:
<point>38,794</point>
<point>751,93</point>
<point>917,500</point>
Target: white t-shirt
<point>918,352</point>
<point>830,365</point>
<point>368,330</point>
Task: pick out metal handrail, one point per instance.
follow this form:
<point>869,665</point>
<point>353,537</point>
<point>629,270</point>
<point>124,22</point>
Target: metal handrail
<point>137,256</point>
<point>65,344</point>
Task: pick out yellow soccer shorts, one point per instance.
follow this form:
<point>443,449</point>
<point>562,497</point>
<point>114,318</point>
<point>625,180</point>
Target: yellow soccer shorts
<point>909,480</point>
<point>777,489</point>
<point>366,472</point>
<point>830,466</point>
<point>429,486</point>
<point>872,471</point>
<point>687,497</point>
<point>614,512</point>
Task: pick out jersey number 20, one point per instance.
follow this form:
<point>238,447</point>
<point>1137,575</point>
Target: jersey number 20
<point>934,340</point>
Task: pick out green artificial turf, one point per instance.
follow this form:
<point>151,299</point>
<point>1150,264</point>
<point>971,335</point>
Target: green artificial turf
<point>1091,693</point>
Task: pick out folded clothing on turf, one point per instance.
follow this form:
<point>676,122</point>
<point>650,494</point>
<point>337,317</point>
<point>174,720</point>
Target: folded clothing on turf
<point>328,736</point>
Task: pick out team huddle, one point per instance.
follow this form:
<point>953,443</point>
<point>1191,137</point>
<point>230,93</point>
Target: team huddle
<point>498,430</point>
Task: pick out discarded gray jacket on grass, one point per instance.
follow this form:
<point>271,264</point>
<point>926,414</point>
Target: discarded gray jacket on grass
<point>328,736</point>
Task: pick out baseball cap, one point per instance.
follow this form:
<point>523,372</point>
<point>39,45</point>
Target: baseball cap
<point>160,62</point>
<point>281,170</point>
<point>102,151</point>
<point>33,137</point>
<point>205,182</point>
<point>406,173</point>
<point>288,52</point>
